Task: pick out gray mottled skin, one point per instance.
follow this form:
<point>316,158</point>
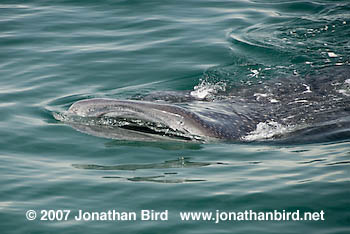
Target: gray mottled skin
<point>173,116</point>
<point>321,99</point>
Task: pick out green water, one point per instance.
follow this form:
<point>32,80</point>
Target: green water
<point>54,53</point>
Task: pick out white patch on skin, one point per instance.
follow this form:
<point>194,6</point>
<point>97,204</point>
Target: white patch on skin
<point>300,101</point>
<point>344,92</point>
<point>332,55</point>
<point>255,73</point>
<point>308,90</point>
<point>260,95</point>
<point>346,88</point>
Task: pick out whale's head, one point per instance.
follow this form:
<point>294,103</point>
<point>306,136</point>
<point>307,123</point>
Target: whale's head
<point>135,120</point>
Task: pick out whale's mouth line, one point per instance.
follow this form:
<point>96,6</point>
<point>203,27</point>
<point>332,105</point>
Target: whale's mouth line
<point>148,130</point>
<point>147,127</point>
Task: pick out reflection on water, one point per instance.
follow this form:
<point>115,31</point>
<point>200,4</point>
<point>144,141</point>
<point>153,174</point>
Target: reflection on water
<point>178,163</point>
<point>157,144</point>
<point>157,179</point>
<point>166,177</point>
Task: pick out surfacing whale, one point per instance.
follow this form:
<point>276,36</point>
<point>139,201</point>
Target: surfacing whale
<point>308,108</point>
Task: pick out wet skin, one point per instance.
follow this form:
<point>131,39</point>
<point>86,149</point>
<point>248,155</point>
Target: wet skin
<point>319,100</point>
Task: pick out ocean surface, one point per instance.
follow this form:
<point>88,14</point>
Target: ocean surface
<point>54,53</point>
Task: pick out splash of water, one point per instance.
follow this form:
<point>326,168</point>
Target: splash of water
<point>207,90</point>
<point>268,130</point>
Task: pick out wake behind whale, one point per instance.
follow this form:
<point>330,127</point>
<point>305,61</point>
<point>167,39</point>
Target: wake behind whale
<point>312,108</point>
